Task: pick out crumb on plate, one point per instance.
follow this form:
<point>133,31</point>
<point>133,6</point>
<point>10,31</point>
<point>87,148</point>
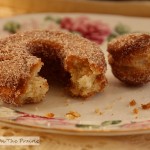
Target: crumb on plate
<point>145,106</point>
<point>135,111</point>
<point>97,111</point>
<point>132,103</point>
<point>49,115</point>
<point>72,115</point>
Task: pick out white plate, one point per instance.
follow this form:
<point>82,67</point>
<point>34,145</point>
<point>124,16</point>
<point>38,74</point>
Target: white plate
<point>106,113</point>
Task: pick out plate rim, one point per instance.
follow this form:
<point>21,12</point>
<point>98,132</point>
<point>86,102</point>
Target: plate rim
<point>93,132</point>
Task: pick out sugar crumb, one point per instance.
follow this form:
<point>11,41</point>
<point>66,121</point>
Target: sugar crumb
<point>97,111</point>
<point>49,115</point>
<point>72,115</point>
<point>135,111</point>
<point>145,106</point>
<point>132,102</point>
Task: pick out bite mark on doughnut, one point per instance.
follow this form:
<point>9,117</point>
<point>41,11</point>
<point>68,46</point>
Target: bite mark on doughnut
<point>36,87</point>
<point>85,79</point>
<point>81,78</point>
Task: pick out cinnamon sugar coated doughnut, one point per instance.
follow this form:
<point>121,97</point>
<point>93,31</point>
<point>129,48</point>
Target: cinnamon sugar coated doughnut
<point>73,59</point>
<point>129,57</point>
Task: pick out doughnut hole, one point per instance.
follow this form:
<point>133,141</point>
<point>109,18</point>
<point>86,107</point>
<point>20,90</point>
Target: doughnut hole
<point>85,80</point>
<point>132,70</point>
<point>36,87</point>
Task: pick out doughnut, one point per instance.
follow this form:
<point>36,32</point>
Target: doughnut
<point>129,57</point>
<point>26,58</point>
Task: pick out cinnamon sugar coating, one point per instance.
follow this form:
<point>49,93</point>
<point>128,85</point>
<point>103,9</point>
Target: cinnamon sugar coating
<point>129,57</point>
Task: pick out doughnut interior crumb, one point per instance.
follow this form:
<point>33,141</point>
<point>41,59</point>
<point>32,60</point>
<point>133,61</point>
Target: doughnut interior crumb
<point>145,106</point>
<point>36,87</point>
<point>72,115</point>
<point>85,80</point>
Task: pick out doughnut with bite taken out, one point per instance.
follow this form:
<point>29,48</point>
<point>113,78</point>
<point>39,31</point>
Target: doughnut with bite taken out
<point>72,58</point>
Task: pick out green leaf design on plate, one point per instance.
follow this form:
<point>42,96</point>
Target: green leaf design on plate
<point>87,126</point>
<point>110,122</point>
<point>48,18</point>
<point>56,20</point>
<point>12,27</point>
<point>119,29</point>
<point>122,29</point>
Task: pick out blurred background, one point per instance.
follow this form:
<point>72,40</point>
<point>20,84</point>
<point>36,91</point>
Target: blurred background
<point>128,8</point>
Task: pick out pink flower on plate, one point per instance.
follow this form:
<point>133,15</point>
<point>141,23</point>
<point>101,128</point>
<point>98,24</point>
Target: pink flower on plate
<point>35,120</point>
<point>93,30</point>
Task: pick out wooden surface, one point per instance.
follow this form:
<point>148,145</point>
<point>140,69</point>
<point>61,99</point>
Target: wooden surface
<point>129,8</point>
<point>62,142</point>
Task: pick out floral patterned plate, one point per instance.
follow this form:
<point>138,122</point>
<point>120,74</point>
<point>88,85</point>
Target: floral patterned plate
<point>119,110</point>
